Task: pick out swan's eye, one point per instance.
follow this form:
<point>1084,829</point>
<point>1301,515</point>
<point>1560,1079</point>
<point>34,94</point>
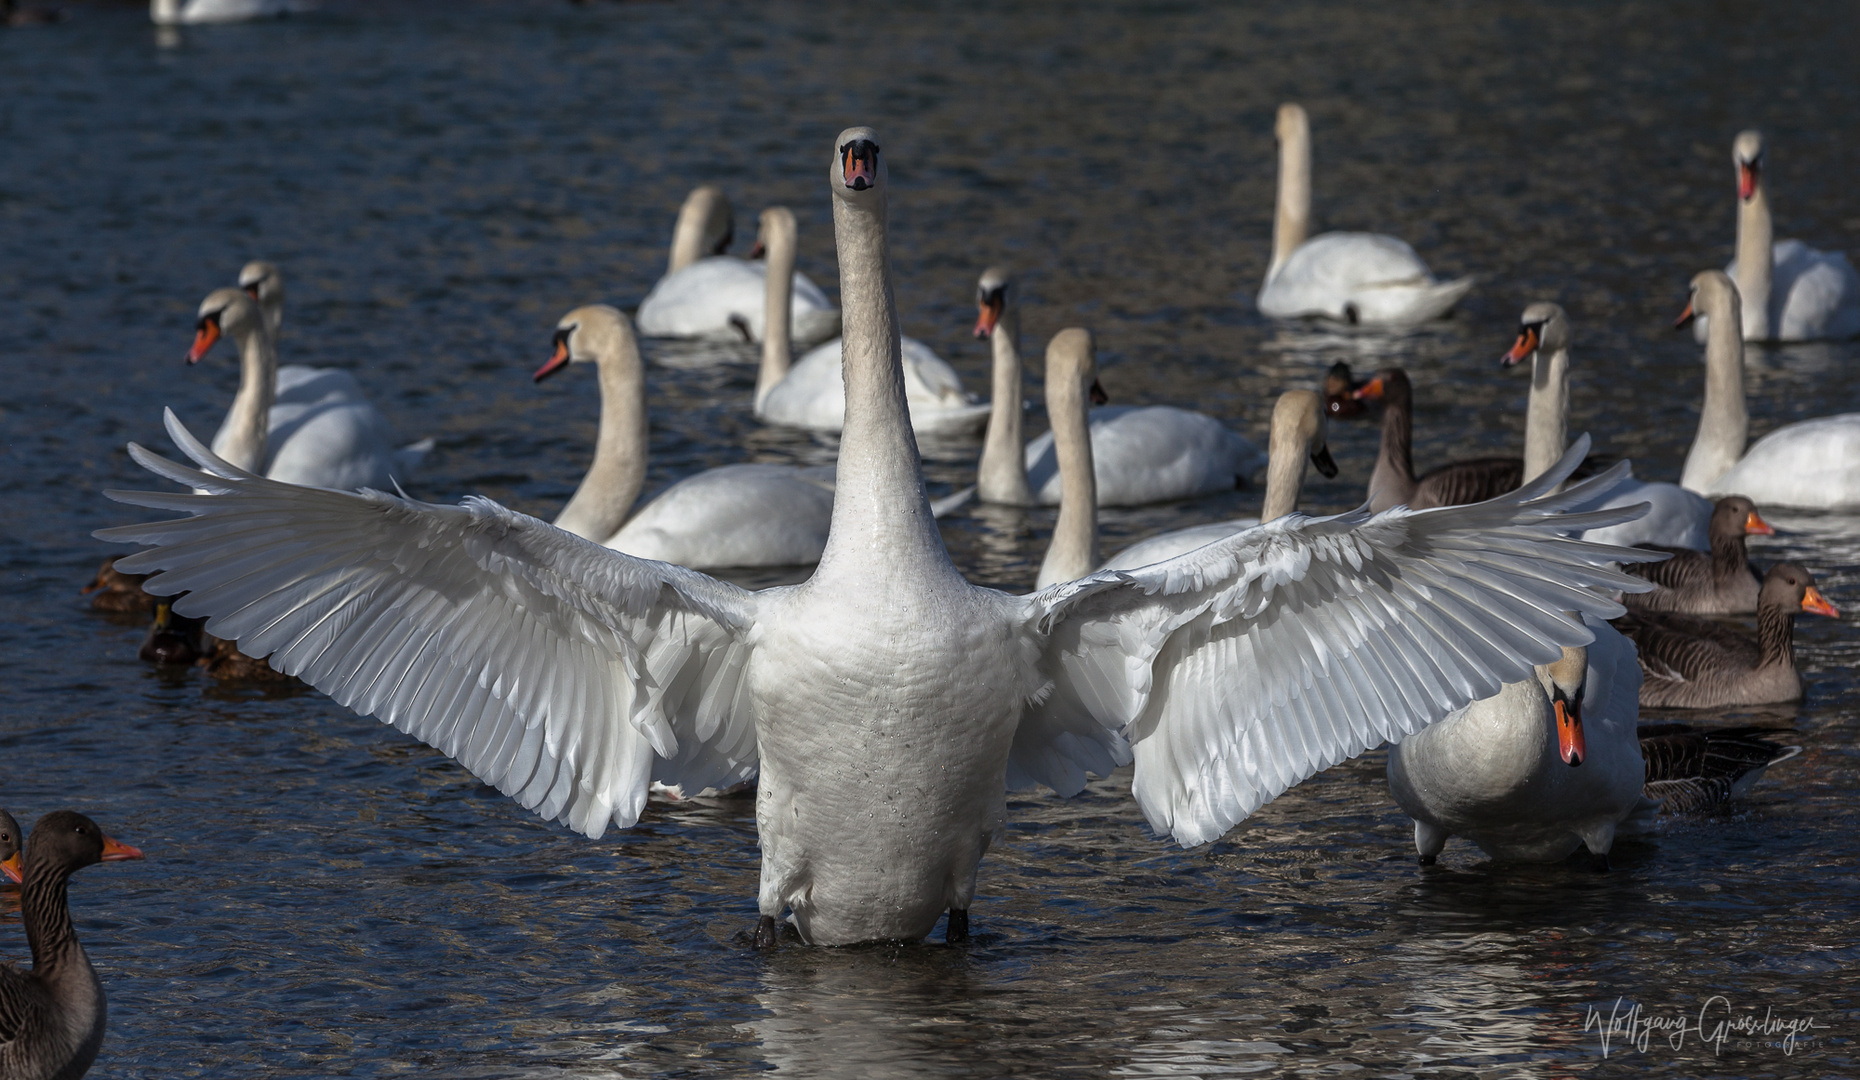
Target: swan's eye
<point>859,164</point>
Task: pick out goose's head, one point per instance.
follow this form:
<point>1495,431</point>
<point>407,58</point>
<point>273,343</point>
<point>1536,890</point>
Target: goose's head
<point>1072,366</point>
<point>1300,428</point>
<point>1747,155</point>
<point>65,841</point>
<point>224,312</point>
<point>1713,296</point>
<point>1292,123</point>
<point>9,846</point>
<point>775,226</point>
<point>991,299</point>
<point>1340,401</point>
<point>1389,386</point>
<point>1542,326</point>
<point>595,333</point>
<point>1737,516</point>
<point>858,170</point>
<point>262,281</point>
<point>1563,681</point>
<point>1791,587</point>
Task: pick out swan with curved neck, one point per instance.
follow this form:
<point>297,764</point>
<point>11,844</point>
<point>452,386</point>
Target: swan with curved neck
<point>1358,278</point>
<point>1789,291</point>
<point>1813,464</point>
<point>888,703</point>
<point>709,295</point>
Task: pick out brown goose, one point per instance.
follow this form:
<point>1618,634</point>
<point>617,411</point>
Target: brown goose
<point>9,847</point>
<point>1394,484</point>
<point>1721,582</point>
<point>1693,663</point>
<point>117,591</point>
<point>1690,769</point>
<point>51,1018</point>
<point>1340,400</point>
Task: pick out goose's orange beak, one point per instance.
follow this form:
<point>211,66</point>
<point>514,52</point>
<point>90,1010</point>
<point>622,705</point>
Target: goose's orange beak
<point>1521,349</point>
<point>1756,526</point>
<point>117,851</point>
<point>1746,180</point>
<point>557,361</point>
<point>205,335</point>
<point>1816,604</point>
<point>988,314</point>
<point>11,868</point>
<point>1570,745</point>
<point>1685,317</point>
<point>1369,391</point>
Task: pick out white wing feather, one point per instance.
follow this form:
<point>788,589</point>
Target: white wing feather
<point>552,668</point>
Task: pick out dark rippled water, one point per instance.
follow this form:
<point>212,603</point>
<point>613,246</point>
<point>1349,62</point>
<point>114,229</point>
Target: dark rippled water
<point>441,181</point>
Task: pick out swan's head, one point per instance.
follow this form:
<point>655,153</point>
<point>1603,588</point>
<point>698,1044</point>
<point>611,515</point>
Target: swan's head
<point>858,172</point>
<point>593,333</point>
<point>1389,386</point>
<point>1791,587</point>
<point>1072,367</point>
<point>1292,123</point>
<point>775,226</point>
<point>1299,428</point>
<point>991,299</point>
<point>1747,155</point>
<point>1735,515</point>
<point>1714,296</point>
<point>262,281</point>
<point>1542,326</point>
<point>223,312</point>
<point>707,210</point>
<point>1563,681</point>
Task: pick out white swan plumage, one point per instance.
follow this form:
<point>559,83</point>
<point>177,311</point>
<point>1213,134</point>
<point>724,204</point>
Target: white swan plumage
<point>1361,278</point>
<point>887,702</point>
<point>184,12</point>
<point>706,294</point>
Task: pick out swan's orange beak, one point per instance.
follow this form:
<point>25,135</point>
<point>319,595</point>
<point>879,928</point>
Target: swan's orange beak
<point>859,164</point>
<point>1369,391</point>
<point>11,868</point>
<point>1746,180</point>
<point>1816,604</point>
<point>1756,526</point>
<point>1685,317</point>
<point>989,313</point>
<point>252,290</point>
<point>205,335</point>
<point>1098,396</point>
<point>557,361</point>
<point>1570,745</point>
<point>1522,348</point>
<point>117,851</point>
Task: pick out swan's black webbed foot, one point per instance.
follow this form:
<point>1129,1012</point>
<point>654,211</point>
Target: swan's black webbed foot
<point>1427,860</point>
<point>767,933</point>
<point>1598,861</point>
<point>957,930</point>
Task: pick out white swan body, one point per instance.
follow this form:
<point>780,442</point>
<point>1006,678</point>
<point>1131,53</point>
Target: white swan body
<point>296,424</point>
<point>1788,290</point>
<point>813,396</point>
<point>1493,771</point>
<point>888,701</point>
<point>1811,464</point>
<point>1353,277</point>
<point>1149,453</point>
<point>720,298</point>
<point>181,12</point>
<point>1675,517</point>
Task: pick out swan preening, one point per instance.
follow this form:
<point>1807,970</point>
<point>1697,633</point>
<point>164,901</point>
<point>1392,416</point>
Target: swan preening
<point>1353,277</point>
<point>886,703</point>
<point>301,425</point>
<point>1788,290</point>
<point>1813,464</point>
<point>708,294</point>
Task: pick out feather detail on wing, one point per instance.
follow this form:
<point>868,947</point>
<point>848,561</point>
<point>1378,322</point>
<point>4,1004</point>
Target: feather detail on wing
<point>549,666</point>
<point>1238,669</point>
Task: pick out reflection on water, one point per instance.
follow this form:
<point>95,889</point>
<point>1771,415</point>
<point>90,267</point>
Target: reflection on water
<point>442,181</point>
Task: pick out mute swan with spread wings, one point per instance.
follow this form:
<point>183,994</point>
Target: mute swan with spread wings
<point>888,703</point>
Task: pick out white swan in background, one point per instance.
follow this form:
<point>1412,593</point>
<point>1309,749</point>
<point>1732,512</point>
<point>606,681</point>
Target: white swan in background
<point>1789,291</point>
<point>301,425</point>
<point>810,393</point>
<point>181,12</point>
<point>1139,454</point>
<point>264,282</point>
<point>888,703</point>
<point>1354,277</point>
<point>1813,464</point>
<point>707,294</point>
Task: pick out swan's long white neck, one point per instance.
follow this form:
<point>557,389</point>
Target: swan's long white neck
<point>1291,222</point>
<point>777,308</point>
<point>1546,424</point>
<point>1289,452</point>
<point>248,422</point>
<point>1723,424</point>
<point>606,495</point>
<point>1073,552</point>
<point>1002,474</point>
<point>881,518</point>
<point>1755,263</point>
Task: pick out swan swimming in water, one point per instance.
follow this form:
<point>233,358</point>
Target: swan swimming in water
<point>888,703</point>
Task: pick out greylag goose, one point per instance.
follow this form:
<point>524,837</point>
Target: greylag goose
<point>1393,483</point>
<point>1718,582</point>
<point>1694,663</point>
<point>1691,769</point>
<point>887,702</point>
<point>52,1017</point>
<point>9,847</point>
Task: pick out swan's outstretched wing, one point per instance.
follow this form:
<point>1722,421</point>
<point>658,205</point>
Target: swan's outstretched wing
<point>518,649</point>
<point>1236,670</point>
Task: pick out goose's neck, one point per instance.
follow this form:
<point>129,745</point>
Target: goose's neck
<point>1392,482</point>
<point>881,516</point>
<point>1546,425</point>
<point>1073,552</point>
<point>1291,221</point>
<point>600,505</point>
<point>1723,424</point>
<point>1755,263</point>
<point>43,908</point>
<point>1775,636</point>
<point>249,421</point>
<point>1730,555</point>
<point>1002,475</point>
<point>777,314</point>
